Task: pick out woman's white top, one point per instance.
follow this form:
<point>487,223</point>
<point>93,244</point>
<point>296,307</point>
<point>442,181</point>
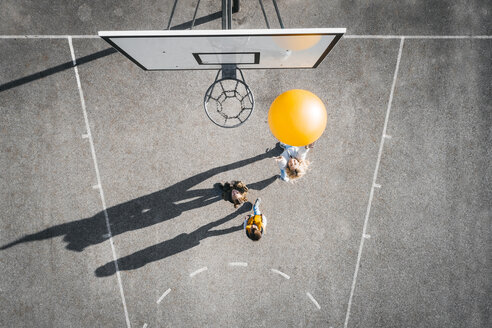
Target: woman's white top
<point>291,151</point>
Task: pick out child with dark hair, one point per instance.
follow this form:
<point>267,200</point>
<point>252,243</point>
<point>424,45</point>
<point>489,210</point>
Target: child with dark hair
<point>234,192</point>
<point>255,225</point>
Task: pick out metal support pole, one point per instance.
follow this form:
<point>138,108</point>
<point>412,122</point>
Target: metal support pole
<point>172,14</point>
<point>227,14</point>
<point>278,14</point>
<point>228,70</point>
<point>194,15</point>
<point>224,14</point>
<point>264,14</point>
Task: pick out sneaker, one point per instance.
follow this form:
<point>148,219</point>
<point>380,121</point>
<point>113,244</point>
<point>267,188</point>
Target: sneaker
<point>258,201</point>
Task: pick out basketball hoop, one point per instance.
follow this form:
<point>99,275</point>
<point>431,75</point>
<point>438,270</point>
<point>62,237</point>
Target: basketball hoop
<point>229,101</point>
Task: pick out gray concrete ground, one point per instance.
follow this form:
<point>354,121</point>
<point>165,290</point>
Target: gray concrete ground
<point>382,232</point>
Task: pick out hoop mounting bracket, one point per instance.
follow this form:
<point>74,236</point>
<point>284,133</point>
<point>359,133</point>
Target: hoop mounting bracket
<point>229,71</point>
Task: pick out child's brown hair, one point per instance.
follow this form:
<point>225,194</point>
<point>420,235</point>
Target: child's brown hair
<point>255,234</point>
<point>239,186</point>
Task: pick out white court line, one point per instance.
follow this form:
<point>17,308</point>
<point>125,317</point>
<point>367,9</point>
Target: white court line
<point>164,295</point>
<point>280,273</point>
<point>313,300</point>
<point>94,155</point>
<point>353,36</point>
<point>417,36</point>
<point>371,195</point>
<point>49,36</point>
<point>101,193</point>
<point>198,271</point>
<point>244,264</point>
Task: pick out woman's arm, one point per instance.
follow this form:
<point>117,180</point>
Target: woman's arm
<point>282,160</point>
<point>301,153</point>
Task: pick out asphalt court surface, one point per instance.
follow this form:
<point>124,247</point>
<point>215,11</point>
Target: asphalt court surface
<point>47,171</point>
<point>411,250</point>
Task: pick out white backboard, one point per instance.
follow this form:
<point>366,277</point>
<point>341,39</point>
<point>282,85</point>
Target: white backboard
<point>209,49</point>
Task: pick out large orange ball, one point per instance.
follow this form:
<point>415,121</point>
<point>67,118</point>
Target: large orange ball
<point>297,117</point>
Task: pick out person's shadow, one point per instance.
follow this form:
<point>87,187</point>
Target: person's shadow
<point>145,211</point>
<point>171,247</point>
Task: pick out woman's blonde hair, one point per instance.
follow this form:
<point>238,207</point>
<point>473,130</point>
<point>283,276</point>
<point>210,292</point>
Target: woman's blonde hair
<point>299,172</point>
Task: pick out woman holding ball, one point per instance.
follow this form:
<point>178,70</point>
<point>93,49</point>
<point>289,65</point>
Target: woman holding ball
<point>292,162</point>
<point>297,118</point>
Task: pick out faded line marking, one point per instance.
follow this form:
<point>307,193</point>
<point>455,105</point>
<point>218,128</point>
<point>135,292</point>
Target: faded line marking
<point>98,176</point>
<point>244,264</point>
<point>164,295</point>
<point>281,273</point>
<point>354,36</point>
<point>417,36</point>
<point>374,178</point>
<point>145,325</point>
<point>49,36</point>
<point>198,271</point>
<point>313,300</point>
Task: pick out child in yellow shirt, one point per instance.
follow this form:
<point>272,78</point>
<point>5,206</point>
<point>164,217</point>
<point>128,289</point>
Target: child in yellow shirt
<point>255,225</point>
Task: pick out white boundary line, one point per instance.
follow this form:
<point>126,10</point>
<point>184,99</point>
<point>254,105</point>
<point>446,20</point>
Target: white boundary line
<point>49,36</point>
<point>198,271</point>
<point>101,193</point>
<point>371,195</point>
<point>281,273</point>
<point>417,36</point>
<point>353,36</point>
<point>313,300</point>
<point>163,295</point>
